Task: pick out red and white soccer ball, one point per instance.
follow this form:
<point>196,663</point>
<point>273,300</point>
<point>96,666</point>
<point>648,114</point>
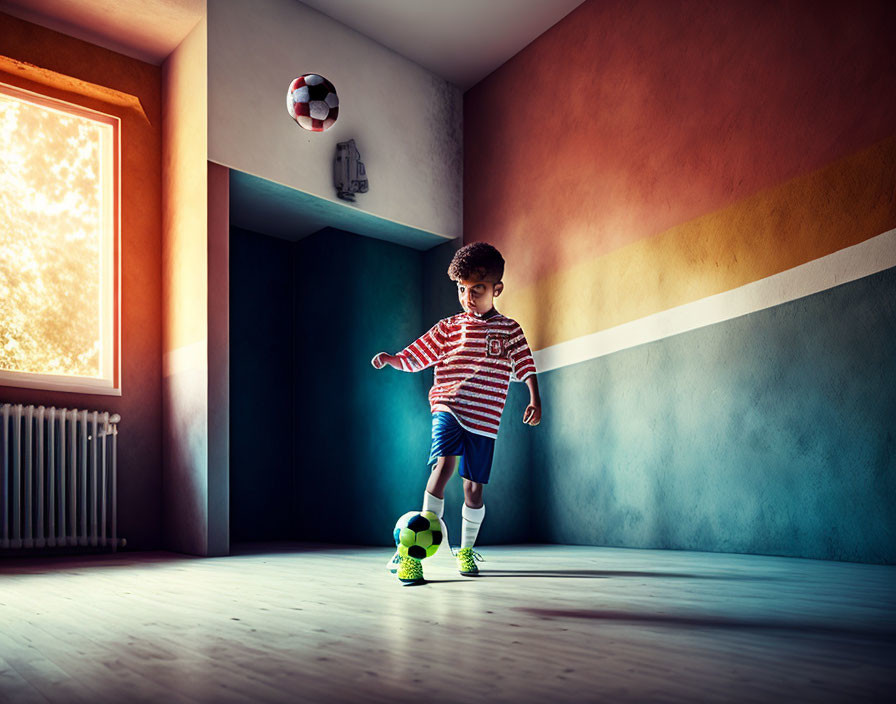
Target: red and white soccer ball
<point>312,102</point>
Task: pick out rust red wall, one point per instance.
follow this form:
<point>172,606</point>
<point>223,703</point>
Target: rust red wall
<point>68,64</point>
<point>629,119</point>
<point>697,205</point>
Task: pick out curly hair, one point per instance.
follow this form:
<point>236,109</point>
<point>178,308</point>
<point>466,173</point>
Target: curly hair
<point>478,259</point>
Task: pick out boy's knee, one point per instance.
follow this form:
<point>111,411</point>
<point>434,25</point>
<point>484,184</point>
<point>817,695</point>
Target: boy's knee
<point>472,493</point>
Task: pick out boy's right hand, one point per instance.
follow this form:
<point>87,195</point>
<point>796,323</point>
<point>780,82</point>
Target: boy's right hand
<point>381,360</point>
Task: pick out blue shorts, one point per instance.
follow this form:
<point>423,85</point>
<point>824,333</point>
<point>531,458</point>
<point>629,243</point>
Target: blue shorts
<point>475,451</point>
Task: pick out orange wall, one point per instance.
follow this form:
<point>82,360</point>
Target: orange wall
<point>192,521</point>
<point>643,154</point>
<point>55,60</point>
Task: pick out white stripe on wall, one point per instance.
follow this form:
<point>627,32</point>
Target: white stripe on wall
<point>848,264</point>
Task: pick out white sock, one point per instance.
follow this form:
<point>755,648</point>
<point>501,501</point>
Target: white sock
<point>433,503</point>
<point>437,506</point>
<point>472,519</point>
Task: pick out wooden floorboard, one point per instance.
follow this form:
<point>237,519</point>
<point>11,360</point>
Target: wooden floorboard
<point>317,623</point>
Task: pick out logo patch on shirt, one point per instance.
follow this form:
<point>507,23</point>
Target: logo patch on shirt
<point>495,345</point>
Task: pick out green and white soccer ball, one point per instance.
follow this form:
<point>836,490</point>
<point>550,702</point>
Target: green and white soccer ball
<point>418,534</point>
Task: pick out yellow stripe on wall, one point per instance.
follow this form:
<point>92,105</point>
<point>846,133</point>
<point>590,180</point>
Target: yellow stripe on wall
<point>809,217</point>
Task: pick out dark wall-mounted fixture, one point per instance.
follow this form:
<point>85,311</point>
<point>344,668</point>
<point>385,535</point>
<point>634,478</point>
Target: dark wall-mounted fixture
<point>349,174</point>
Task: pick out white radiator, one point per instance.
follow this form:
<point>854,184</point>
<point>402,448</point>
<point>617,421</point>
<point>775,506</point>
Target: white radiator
<point>57,477</point>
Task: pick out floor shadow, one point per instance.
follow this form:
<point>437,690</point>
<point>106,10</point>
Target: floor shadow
<point>603,574</point>
<point>883,636</point>
<point>66,563</point>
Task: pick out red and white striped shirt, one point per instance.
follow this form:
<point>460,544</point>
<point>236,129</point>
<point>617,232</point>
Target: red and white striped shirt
<point>475,360</point>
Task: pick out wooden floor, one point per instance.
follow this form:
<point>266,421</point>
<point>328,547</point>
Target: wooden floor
<point>309,623</point>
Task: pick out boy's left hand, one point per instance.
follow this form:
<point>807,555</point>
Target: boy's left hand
<point>532,415</point>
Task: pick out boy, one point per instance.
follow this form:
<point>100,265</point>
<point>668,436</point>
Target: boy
<point>476,354</point>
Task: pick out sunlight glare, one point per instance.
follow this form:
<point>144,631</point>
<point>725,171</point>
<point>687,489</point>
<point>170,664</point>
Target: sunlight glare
<point>55,239</point>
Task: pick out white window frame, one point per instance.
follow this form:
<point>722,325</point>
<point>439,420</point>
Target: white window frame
<point>109,383</point>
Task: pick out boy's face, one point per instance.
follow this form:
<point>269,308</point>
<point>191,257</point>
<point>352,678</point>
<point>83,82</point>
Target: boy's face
<point>477,294</point>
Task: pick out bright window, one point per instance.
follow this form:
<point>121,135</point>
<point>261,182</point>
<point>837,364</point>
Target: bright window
<point>59,187</point>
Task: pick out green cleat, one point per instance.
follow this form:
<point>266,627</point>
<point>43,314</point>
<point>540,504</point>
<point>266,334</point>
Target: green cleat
<point>466,562</point>
<point>410,571</point>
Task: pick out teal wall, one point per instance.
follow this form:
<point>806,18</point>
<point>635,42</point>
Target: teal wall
<point>324,447</point>
<point>772,433</point>
<point>359,434</point>
<point>261,384</point>
<point>362,435</point>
